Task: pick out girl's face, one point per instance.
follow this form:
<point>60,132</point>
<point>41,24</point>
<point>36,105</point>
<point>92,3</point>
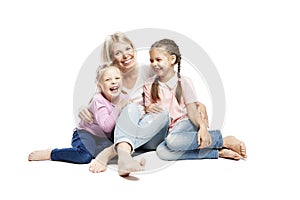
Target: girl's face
<point>124,56</point>
<point>162,64</point>
<point>111,83</point>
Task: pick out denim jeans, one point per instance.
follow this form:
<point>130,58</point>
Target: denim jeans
<point>85,146</point>
<point>136,129</point>
<point>181,143</point>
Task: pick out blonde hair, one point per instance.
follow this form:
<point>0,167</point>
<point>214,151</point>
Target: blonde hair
<point>107,55</point>
<point>101,70</point>
<point>172,49</point>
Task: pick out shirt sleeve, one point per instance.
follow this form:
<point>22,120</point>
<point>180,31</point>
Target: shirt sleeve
<point>188,91</point>
<point>105,117</point>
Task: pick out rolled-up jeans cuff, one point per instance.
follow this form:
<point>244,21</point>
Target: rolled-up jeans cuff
<point>123,140</point>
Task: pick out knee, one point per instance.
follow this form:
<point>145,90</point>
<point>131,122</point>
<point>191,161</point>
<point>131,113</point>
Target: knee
<point>85,158</point>
<point>173,142</point>
<point>165,116</point>
<point>162,152</point>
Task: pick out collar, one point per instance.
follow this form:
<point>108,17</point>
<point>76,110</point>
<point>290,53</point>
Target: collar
<point>172,83</point>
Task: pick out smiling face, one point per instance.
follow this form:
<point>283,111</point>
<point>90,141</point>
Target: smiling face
<point>110,83</point>
<point>162,64</point>
<point>124,56</point>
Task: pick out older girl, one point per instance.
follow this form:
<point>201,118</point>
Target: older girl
<point>188,137</point>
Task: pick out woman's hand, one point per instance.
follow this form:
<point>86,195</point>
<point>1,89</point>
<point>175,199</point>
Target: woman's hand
<point>85,115</point>
<point>123,103</point>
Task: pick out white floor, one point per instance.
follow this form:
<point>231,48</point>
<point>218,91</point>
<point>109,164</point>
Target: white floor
<point>257,177</point>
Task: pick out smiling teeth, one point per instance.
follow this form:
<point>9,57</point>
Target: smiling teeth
<point>127,61</point>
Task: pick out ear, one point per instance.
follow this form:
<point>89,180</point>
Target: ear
<point>173,59</point>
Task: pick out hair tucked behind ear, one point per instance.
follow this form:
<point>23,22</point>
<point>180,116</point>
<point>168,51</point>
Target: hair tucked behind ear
<point>172,48</point>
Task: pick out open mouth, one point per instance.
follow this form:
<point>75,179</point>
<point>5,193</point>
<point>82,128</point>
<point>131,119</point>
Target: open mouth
<point>156,69</point>
<point>114,89</point>
<point>126,62</point>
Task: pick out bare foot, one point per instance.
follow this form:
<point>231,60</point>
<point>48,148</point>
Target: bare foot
<point>227,153</point>
<point>236,145</point>
<point>130,165</point>
<point>40,155</point>
<point>99,164</point>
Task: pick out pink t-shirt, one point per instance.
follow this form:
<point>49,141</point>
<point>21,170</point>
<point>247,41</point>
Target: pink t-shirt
<point>167,97</point>
<point>105,116</point>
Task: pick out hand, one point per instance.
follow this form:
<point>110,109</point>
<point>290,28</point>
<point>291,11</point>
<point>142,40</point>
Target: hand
<point>123,103</point>
<point>85,115</point>
<point>203,114</point>
<point>154,108</point>
<point>204,138</point>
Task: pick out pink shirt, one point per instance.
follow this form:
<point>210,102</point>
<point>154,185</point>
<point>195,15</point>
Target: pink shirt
<point>105,116</point>
<point>167,97</point>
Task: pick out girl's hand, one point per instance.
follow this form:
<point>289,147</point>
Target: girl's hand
<point>85,115</point>
<point>153,108</point>
<point>204,138</point>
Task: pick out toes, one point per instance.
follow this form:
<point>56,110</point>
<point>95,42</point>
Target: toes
<point>229,154</point>
<point>243,149</point>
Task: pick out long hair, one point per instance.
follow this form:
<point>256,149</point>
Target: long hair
<point>107,47</point>
<point>171,48</point>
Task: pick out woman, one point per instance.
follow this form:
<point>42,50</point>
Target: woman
<point>133,129</point>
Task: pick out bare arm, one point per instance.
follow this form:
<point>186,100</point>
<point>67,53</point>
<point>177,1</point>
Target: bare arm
<point>204,139</point>
<point>203,114</point>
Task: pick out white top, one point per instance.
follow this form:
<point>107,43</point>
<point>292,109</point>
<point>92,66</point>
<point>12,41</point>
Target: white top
<point>145,72</point>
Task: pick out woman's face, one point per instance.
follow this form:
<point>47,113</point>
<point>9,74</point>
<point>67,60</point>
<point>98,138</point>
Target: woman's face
<point>124,56</point>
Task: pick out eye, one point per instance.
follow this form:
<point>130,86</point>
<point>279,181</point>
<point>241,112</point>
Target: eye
<point>151,60</point>
<point>107,79</point>
<point>118,78</point>
<point>128,48</point>
<point>117,53</point>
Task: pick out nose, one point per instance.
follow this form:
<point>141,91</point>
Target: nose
<point>125,55</point>
<point>153,63</point>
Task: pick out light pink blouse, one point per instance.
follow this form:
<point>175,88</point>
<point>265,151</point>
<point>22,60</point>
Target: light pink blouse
<point>105,116</point>
<point>167,97</point>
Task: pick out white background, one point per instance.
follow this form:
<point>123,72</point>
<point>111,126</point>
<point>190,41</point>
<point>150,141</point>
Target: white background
<point>255,46</point>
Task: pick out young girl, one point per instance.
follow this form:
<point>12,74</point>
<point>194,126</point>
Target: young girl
<point>188,137</point>
<point>91,138</point>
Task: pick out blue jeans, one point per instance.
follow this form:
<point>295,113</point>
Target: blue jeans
<point>85,146</point>
<point>181,143</point>
<point>145,131</point>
